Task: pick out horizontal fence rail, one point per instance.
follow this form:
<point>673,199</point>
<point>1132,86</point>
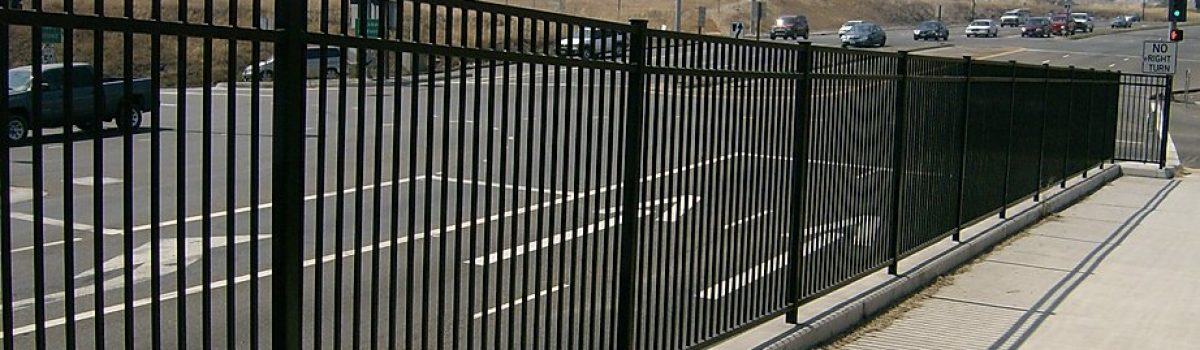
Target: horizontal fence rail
<point>461,174</point>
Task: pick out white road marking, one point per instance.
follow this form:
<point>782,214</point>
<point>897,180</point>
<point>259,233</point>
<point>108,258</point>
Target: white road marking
<point>167,254</point>
<point>59,223</point>
<point>91,181</point>
<point>247,209</point>
<point>827,235</point>
<point>345,254</point>
<point>1065,56</point>
<point>46,245</point>
<point>529,298</point>
<point>20,194</point>
<point>1006,53</point>
<point>869,173</point>
<point>503,186</point>
<point>545,243</point>
<point>1112,65</point>
<point>110,309</point>
<point>748,219</point>
<point>1046,62</point>
<point>815,161</point>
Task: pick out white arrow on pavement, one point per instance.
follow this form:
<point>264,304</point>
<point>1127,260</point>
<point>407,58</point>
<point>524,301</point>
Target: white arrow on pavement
<point>167,256</point>
<point>856,229</point>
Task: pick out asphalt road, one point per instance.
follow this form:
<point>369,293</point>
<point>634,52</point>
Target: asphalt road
<point>489,215</point>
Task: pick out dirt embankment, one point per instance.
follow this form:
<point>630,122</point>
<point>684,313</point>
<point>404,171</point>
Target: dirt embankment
<point>822,14</point>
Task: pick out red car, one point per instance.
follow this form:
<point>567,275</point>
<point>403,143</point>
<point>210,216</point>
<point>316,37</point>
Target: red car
<point>1062,25</point>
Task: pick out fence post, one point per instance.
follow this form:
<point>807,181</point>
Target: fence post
<point>287,180</point>
<point>1166,122</point>
<point>901,114</point>
<point>1070,109</point>
<point>1037,196</point>
<point>799,183</point>
<point>1087,138</point>
<point>631,187</point>
<point>964,121</point>
<point>1008,142</point>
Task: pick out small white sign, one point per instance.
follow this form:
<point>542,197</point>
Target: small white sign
<point>48,56</point>
<point>1158,57</point>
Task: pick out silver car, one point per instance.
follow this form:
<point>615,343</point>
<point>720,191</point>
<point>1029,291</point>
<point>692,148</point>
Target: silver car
<point>590,43</point>
<point>312,54</point>
<point>983,28</point>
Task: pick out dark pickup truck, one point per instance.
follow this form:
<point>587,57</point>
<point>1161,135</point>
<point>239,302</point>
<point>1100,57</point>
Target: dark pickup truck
<point>83,90</point>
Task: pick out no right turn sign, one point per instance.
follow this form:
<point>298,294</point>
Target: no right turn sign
<point>1158,57</point>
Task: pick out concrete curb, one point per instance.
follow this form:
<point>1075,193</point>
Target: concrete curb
<point>1148,170</point>
<point>838,321</point>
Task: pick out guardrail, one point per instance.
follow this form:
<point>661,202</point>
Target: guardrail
<point>557,182</point>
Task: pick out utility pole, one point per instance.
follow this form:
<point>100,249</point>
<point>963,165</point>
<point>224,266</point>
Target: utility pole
<point>678,15</point>
<point>1143,11</point>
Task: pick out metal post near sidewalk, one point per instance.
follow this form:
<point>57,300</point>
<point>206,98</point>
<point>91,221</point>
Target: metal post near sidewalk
<point>898,157</point>
<point>799,183</point>
<point>1166,122</point>
<point>1037,196</point>
<point>964,122</point>
<point>1070,110</point>
<point>1012,112</point>
<point>287,193</point>
<point>631,189</point>
<point>1087,140</point>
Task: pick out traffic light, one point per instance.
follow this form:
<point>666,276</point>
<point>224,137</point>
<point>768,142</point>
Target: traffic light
<point>1178,11</point>
<point>1176,35</point>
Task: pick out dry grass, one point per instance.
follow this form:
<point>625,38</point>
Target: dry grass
<point>823,15</point>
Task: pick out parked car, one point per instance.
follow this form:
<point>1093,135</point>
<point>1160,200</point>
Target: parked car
<point>864,34</point>
<point>846,27</point>
<point>1133,18</point>
<point>790,27</point>
<point>312,54</point>
<point>1084,22</point>
<point>590,43</point>
<point>1121,22</point>
<point>126,110</point>
<point>983,28</point>
<point>1036,27</point>
<point>931,30</point>
<point>1062,25</point>
<point>1014,18</point>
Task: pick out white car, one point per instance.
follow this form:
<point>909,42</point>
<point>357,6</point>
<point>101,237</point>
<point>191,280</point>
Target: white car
<point>983,28</point>
<point>846,27</point>
<point>1084,21</point>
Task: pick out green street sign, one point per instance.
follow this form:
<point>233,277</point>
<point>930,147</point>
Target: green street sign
<point>52,35</point>
<point>372,28</point>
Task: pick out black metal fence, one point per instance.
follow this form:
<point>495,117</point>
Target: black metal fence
<point>1145,119</point>
<point>483,176</point>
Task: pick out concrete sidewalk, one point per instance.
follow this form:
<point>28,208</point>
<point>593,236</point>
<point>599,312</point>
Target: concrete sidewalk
<point>1119,270</point>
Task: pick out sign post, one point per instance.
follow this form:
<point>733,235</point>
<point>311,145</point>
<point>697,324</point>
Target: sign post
<point>1158,57</point>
